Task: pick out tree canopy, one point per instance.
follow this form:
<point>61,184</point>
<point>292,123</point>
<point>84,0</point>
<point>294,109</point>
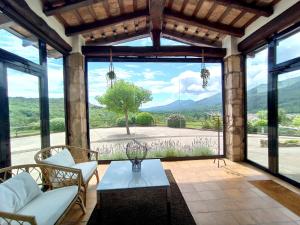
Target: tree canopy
<point>124,97</point>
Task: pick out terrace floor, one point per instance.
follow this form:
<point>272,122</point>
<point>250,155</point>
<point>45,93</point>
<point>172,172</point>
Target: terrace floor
<point>215,196</point>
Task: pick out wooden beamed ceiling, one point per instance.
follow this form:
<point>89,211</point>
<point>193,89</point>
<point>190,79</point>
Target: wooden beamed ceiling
<point>196,22</point>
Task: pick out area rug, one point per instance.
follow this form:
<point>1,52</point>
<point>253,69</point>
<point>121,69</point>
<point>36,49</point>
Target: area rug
<point>143,207</point>
<point>284,196</point>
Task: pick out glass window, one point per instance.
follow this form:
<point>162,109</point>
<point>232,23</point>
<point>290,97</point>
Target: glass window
<point>181,119</point>
<point>17,40</point>
<point>257,111</point>
<point>289,124</point>
<point>288,48</point>
<point>24,115</point>
<point>56,96</point>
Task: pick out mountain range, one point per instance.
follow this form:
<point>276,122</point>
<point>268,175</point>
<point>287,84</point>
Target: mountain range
<point>288,99</point>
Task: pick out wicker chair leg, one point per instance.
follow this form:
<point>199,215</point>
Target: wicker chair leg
<point>97,176</point>
<point>84,193</point>
<point>81,204</point>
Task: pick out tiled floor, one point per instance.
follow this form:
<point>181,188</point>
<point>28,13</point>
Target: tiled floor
<point>215,196</point>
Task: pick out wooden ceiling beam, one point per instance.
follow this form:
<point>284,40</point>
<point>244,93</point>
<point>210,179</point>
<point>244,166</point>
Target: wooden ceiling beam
<point>249,7</point>
<point>51,10</point>
<point>162,51</point>
<point>260,36</point>
<point>188,39</point>
<point>203,23</point>
<point>104,23</point>
<point>156,8</point>
<point>118,39</point>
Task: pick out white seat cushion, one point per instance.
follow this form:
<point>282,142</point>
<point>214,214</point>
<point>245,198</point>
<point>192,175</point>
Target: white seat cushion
<point>17,191</point>
<point>87,169</point>
<point>49,206</point>
<point>62,158</point>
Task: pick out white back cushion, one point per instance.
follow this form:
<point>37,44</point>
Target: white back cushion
<point>62,158</point>
<point>8,200</point>
<point>18,191</point>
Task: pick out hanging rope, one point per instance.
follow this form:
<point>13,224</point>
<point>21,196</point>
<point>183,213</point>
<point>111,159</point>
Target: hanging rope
<point>111,75</point>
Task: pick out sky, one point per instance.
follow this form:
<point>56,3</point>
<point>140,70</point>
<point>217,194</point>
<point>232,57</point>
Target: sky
<point>168,82</point>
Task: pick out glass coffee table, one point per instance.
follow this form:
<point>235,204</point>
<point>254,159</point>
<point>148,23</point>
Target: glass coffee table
<point>119,177</point>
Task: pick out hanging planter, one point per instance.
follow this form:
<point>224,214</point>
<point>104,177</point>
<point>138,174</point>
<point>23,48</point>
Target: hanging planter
<point>111,75</point>
<point>204,73</point>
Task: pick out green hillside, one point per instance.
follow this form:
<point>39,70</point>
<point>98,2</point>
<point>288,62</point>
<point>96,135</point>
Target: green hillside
<point>24,112</point>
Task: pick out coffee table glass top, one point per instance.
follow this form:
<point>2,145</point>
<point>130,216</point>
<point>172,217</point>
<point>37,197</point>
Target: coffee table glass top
<point>119,176</point>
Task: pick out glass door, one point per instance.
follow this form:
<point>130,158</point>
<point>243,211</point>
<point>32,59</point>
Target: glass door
<point>289,124</point>
<point>24,116</point>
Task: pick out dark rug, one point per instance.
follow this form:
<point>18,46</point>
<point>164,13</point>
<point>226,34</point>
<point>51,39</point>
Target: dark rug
<point>284,196</point>
<point>143,207</point>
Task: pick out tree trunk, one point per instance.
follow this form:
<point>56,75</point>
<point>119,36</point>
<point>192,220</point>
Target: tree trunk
<point>126,122</point>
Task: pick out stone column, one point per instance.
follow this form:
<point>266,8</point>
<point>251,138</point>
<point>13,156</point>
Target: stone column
<point>76,100</point>
<point>234,107</point>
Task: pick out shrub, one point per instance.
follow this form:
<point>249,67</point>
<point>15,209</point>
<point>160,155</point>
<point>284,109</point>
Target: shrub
<point>120,122</point>
<point>176,120</point>
<point>144,119</point>
<point>57,125</point>
<point>296,121</point>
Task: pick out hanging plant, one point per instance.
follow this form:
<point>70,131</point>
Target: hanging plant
<point>204,73</point>
<point>111,75</point>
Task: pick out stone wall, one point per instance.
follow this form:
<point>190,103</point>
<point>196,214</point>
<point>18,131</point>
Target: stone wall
<point>234,107</point>
<point>76,101</point>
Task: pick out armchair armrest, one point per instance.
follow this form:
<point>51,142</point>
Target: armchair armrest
<point>12,218</point>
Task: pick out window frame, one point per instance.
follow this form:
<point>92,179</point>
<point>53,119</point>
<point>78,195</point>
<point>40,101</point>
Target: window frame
<point>274,71</point>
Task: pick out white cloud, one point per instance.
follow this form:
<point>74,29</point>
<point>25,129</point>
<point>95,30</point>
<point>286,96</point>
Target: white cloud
<point>190,82</point>
<point>151,74</point>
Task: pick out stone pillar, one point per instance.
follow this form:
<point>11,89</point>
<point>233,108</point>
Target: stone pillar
<point>76,100</point>
<point>234,107</point>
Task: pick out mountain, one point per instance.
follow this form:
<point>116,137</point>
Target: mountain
<point>206,104</point>
<point>288,99</point>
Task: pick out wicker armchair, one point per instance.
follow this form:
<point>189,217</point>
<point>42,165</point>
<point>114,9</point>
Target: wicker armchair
<point>81,156</point>
<point>61,178</point>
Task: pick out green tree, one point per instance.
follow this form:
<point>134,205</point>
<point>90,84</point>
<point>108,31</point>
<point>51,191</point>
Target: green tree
<point>124,97</point>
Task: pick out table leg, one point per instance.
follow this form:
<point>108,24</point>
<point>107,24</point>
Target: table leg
<point>99,200</point>
<point>168,201</point>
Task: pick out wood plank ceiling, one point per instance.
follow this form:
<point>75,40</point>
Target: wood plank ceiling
<point>196,22</point>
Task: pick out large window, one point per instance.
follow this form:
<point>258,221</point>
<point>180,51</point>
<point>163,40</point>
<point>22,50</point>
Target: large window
<point>56,97</point>
<point>289,124</point>
<point>25,88</point>
<point>14,42</point>
<point>288,48</point>
<point>24,114</point>
<point>273,89</point>
<point>180,119</point>
<point>257,107</point>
